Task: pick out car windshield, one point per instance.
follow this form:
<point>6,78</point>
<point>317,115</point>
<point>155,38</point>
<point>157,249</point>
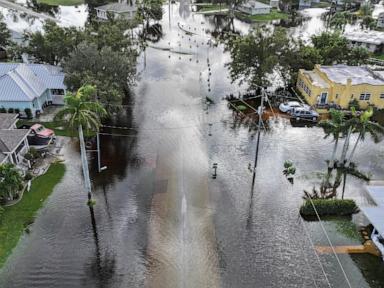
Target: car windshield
<point>40,128</point>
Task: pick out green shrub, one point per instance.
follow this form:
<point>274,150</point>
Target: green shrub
<point>11,110</point>
<point>354,103</point>
<point>3,110</point>
<point>28,111</point>
<point>17,110</point>
<point>329,207</point>
<point>28,176</point>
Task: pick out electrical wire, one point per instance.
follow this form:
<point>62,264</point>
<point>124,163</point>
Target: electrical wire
<point>329,241</point>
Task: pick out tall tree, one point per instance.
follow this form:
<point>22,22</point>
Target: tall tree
<point>365,126</point>
<point>79,113</point>
<point>332,47</point>
<point>335,127</point>
<point>5,34</point>
<point>255,55</point>
<point>52,45</point>
<point>112,72</point>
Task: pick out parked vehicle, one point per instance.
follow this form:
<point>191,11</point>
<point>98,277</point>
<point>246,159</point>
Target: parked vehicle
<point>39,135</point>
<point>303,113</point>
<point>289,106</point>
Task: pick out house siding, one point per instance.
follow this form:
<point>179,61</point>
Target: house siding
<point>339,93</point>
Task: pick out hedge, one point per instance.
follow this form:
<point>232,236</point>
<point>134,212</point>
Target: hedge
<point>329,207</point>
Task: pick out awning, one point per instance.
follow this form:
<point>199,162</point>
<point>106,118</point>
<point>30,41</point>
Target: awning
<point>377,194</point>
<point>375,215</point>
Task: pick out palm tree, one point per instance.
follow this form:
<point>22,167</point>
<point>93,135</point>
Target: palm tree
<point>81,113</point>
<point>336,127</point>
<point>11,181</point>
<point>364,126</point>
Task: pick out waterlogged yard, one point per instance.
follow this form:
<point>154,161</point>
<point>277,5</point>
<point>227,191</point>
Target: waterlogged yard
<point>15,220</point>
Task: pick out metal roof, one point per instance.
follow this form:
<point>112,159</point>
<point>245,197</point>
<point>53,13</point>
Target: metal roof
<point>377,194</point>
<point>371,37</point>
<point>51,76</point>
<point>375,215</point>
<point>11,138</point>
<point>25,82</point>
<point>7,120</point>
<point>358,74</point>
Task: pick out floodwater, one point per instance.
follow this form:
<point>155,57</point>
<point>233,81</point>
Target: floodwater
<point>160,218</point>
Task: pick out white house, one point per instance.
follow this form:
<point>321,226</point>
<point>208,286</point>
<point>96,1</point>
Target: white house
<point>32,86</point>
<point>13,145</point>
<point>380,20</point>
<point>274,3</point>
<point>123,9</point>
<point>254,8</point>
<point>371,40</point>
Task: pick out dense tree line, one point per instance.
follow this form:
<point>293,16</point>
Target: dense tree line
<point>255,56</point>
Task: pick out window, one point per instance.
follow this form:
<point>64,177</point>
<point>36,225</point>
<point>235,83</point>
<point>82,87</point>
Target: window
<point>382,96</point>
<point>337,96</point>
<point>365,96</point>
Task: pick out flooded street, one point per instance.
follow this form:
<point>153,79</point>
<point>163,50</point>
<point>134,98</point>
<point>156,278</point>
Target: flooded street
<point>160,218</point>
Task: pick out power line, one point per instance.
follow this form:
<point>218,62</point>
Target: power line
<point>329,241</point>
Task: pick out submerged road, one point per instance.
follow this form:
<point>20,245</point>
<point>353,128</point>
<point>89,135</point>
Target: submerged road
<point>160,220</point>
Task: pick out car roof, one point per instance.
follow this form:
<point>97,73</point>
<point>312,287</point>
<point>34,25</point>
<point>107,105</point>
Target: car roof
<point>35,126</point>
<point>293,103</point>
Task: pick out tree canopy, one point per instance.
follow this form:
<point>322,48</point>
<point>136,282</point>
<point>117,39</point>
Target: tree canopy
<point>254,56</point>
<point>5,34</point>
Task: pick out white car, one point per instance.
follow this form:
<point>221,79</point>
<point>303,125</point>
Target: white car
<point>289,106</point>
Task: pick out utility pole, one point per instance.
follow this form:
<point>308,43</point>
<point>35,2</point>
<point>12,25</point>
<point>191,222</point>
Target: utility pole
<point>261,110</point>
<point>99,168</point>
<point>84,161</point>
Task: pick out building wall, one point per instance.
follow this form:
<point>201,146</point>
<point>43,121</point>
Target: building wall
<point>253,11</point>
<point>341,94</point>
<point>16,105</point>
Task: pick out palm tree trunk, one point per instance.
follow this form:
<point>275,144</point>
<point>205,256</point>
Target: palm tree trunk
<point>332,161</point>
<point>346,146</point>
<point>84,163</point>
<point>353,150</point>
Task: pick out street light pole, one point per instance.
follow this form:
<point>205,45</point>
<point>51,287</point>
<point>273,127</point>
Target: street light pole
<point>261,109</point>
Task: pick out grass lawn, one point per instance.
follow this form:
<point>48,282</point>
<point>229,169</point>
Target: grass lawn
<point>62,2</point>
<point>205,8</point>
<point>16,218</point>
<point>274,15</point>
<point>381,57</point>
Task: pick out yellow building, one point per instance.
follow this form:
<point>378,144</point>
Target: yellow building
<point>339,84</point>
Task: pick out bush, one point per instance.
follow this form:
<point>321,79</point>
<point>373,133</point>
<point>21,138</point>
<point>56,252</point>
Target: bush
<point>28,176</point>
<point>11,110</point>
<point>28,111</point>
<point>355,104</point>
<point>32,154</point>
<point>3,110</point>
<point>329,207</point>
<point>17,110</point>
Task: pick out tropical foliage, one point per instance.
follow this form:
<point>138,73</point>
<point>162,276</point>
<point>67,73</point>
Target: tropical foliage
<point>11,182</point>
<point>5,34</point>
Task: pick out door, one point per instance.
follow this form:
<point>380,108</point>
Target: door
<point>323,98</point>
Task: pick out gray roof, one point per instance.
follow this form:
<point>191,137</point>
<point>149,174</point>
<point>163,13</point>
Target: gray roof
<point>7,120</point>
<point>25,82</point>
<point>2,157</point>
<point>358,74</point>
<point>255,5</point>
<point>118,7</point>
<point>9,139</point>
<point>371,37</point>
